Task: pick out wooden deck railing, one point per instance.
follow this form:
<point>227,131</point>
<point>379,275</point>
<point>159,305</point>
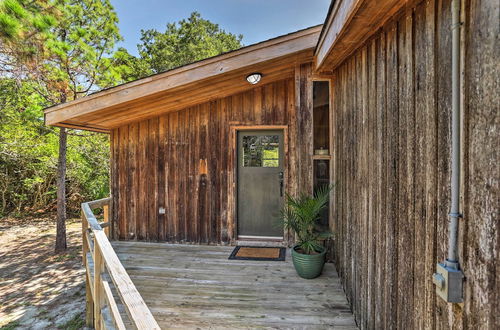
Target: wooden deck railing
<point>102,265</point>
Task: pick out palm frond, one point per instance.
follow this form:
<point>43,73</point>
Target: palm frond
<point>301,214</point>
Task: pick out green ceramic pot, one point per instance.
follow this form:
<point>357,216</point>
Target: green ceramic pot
<point>306,265</point>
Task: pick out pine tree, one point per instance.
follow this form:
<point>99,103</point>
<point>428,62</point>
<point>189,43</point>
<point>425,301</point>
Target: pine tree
<point>64,47</point>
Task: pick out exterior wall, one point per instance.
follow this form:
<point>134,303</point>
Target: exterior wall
<point>184,162</point>
<point>392,103</point>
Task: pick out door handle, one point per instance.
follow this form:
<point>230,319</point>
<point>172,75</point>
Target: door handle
<point>281,183</point>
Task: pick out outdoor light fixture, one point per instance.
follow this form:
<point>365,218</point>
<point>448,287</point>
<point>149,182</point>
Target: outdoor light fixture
<point>254,78</point>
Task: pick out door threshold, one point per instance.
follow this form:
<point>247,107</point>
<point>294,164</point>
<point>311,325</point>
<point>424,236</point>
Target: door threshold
<point>260,241</point>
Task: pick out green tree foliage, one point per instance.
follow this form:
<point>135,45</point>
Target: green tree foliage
<point>52,52</point>
<point>187,41</point>
<point>65,46</point>
<point>28,157</point>
<point>23,19</point>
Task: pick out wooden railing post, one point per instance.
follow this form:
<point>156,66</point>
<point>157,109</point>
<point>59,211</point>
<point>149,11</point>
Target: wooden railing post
<point>85,245</point>
<point>101,305</point>
<point>89,305</point>
<point>98,296</point>
<point>105,210</point>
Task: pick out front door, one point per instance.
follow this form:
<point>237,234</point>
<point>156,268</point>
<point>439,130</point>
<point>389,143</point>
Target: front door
<point>260,183</point>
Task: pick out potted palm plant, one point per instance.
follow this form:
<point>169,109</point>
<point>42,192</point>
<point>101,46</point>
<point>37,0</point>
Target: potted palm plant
<point>301,214</point>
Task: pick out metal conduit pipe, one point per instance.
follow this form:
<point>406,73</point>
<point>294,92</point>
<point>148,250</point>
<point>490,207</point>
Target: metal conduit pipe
<point>448,277</point>
<point>455,135</point>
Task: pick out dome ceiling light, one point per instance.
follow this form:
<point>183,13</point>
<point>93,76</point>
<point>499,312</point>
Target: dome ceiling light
<point>254,78</point>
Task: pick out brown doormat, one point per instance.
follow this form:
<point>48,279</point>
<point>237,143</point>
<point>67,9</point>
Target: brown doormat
<point>258,253</point>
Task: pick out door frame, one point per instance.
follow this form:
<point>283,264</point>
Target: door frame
<point>232,205</point>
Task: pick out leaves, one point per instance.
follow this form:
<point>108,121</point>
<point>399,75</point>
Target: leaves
<point>43,22</point>
<point>53,51</point>
<point>12,7</point>
<point>9,26</point>
<point>28,156</point>
<point>301,215</point>
<point>187,41</point>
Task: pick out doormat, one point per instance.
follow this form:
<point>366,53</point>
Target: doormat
<point>258,253</point>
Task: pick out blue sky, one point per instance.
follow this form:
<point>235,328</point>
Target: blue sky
<point>257,20</point>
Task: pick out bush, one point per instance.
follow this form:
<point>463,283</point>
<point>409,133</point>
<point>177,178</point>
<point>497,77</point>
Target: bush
<point>28,157</point>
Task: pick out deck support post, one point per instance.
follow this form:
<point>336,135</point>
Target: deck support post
<point>89,305</point>
<point>98,296</point>
<point>105,211</point>
<point>99,257</point>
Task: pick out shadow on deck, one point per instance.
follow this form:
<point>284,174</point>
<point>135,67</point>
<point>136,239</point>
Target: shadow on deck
<point>195,286</point>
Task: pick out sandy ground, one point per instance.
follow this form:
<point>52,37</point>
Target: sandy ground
<point>40,289</point>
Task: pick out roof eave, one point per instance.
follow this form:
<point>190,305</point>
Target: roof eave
<point>347,27</point>
<point>183,76</point>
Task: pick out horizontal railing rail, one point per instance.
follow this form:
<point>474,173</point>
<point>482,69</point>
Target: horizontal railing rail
<point>104,270</point>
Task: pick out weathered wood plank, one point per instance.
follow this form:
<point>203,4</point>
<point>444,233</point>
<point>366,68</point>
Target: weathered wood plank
<point>172,177</point>
<point>162,183</point>
<point>391,189</point>
<point>480,242</point>
<point>372,182</point>
<point>190,204</point>
<point>122,213</point>
<point>406,133</point>
<point>430,162</point>
<point>114,173</point>
<point>132,174</point>
<point>213,202</point>
<point>443,92</point>
<point>304,109</point>
<point>291,155</point>
<point>183,132</point>
<point>408,165</point>
<point>420,124</point>
<point>230,293</point>
<point>365,186</point>
<point>152,179</point>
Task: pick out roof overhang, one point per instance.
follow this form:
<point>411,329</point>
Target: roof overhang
<point>187,85</point>
<point>348,25</point>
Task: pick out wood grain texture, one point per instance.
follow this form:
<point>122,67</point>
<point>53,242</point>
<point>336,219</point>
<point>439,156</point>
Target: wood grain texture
<point>231,294</point>
<point>399,152</point>
<point>480,243</point>
<point>184,162</point>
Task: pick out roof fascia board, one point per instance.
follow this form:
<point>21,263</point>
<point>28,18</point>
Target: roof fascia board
<point>336,23</point>
<point>349,24</point>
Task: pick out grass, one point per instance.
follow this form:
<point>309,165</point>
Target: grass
<point>75,323</point>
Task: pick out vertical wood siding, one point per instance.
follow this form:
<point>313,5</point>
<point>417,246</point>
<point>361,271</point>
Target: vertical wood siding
<point>392,170</point>
<point>181,161</point>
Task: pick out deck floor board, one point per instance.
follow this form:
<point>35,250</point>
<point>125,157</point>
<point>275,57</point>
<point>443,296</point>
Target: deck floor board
<point>196,286</point>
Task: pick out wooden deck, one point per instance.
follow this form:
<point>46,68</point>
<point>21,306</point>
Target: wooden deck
<point>193,286</point>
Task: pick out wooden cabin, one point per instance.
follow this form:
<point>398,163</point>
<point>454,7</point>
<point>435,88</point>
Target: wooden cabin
<point>175,138</point>
<point>199,155</point>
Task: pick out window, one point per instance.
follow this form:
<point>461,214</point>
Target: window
<point>261,151</point>
<point>321,116</point>
<point>321,130</point>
